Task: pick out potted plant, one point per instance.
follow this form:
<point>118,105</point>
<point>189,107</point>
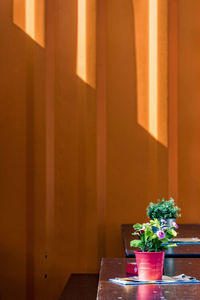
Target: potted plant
<point>164,209</point>
<point>153,239</point>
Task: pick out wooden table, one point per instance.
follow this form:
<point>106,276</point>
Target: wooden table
<point>80,286</point>
<point>185,230</point>
<point>116,267</point>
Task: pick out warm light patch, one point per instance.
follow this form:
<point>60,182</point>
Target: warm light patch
<point>86,41</point>
<point>153,68</point>
<point>30,18</point>
<point>28,15</point>
<point>81,41</point>
<point>141,19</point>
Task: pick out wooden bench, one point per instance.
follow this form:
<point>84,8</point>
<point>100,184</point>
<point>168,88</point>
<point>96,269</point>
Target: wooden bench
<point>81,287</point>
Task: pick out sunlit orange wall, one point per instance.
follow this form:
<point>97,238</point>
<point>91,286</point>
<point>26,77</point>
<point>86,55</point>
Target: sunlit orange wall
<point>189,110</point>
<point>76,162</point>
<point>136,162</point>
<point>22,155</point>
<point>51,173</point>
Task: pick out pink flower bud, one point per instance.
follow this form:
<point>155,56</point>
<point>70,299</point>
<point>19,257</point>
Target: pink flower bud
<point>163,221</point>
<point>175,225</point>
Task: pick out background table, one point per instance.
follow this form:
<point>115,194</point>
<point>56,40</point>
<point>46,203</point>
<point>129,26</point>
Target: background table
<point>184,230</point>
<point>116,267</point>
<point>81,286</point>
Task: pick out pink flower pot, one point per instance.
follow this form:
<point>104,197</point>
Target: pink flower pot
<point>150,265</point>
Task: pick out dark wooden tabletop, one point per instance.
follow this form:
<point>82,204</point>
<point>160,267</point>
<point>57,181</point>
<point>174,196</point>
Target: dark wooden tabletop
<point>80,287</point>
<point>116,267</point>
<point>184,231</point>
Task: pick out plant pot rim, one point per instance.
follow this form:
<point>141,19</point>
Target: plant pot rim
<point>148,252</point>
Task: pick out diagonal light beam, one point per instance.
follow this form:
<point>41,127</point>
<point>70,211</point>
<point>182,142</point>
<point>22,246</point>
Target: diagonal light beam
<point>30,18</point>
<point>81,67</point>
<point>153,67</point>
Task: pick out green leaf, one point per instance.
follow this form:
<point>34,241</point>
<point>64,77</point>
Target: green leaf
<point>174,232</point>
<point>137,226</point>
<point>136,244</point>
<point>142,237</point>
<point>171,245</point>
<point>148,232</point>
<point>154,236</point>
<point>164,240</point>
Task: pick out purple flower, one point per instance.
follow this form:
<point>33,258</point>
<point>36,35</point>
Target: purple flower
<point>165,227</point>
<point>160,234</point>
<point>175,225</point>
<point>163,221</point>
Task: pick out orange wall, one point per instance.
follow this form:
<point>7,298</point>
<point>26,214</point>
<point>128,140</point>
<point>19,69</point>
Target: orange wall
<point>22,184</point>
<point>184,68</point>
<point>188,110</point>
<point>107,167</point>
<point>75,162</point>
<point>136,162</point>
<point>75,154</point>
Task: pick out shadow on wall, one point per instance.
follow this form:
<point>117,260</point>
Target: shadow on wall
<point>136,164</point>
<point>75,145</point>
<point>23,161</point>
<point>29,15</point>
